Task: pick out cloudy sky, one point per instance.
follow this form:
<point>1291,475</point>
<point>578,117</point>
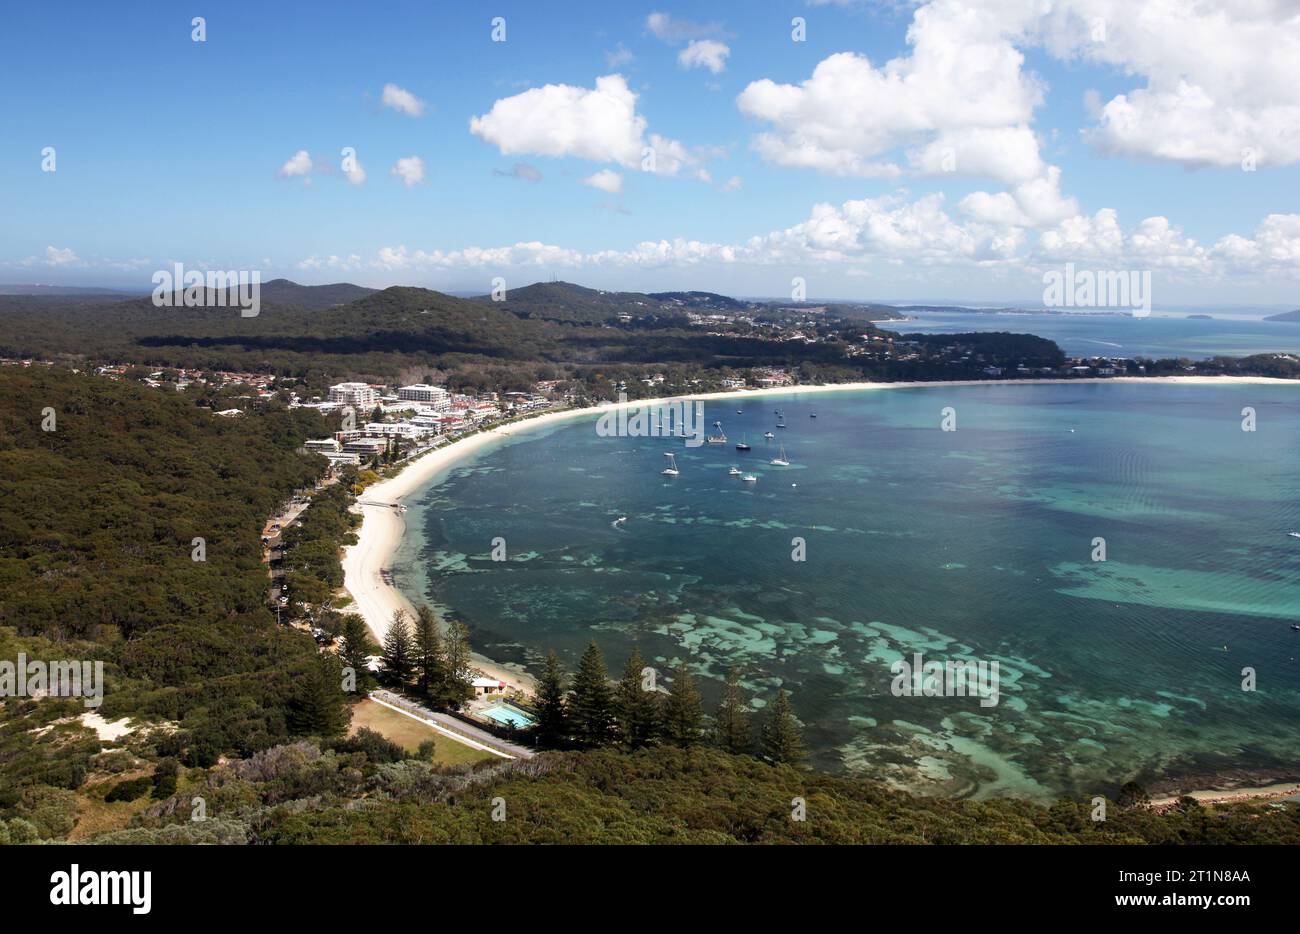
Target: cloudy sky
<point>945,150</point>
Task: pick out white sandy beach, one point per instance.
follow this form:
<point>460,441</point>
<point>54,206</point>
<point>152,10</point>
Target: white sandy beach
<point>382,526</point>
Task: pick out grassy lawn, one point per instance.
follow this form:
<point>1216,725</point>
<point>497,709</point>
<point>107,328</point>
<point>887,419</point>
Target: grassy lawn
<point>409,733</point>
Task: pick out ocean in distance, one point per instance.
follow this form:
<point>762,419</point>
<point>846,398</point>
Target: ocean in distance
<point>967,544</point>
<point>1113,335</point>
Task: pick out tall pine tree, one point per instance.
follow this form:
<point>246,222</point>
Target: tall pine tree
<point>399,651</point>
<point>636,706</point>
<point>592,706</point>
<point>356,651</point>
<point>683,713</point>
<point>731,724</point>
<point>782,738</point>
<point>430,666</point>
<point>318,706</point>
<point>458,686</point>
<point>552,714</point>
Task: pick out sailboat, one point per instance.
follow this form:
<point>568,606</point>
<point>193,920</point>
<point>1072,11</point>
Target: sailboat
<point>742,445</point>
<point>780,461</point>
<point>720,437</point>
<point>780,422</point>
<point>671,470</point>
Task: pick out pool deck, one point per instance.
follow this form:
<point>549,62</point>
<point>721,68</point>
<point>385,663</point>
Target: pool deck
<point>520,721</point>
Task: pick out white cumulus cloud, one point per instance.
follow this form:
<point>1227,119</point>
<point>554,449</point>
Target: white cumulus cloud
<point>409,169</point>
<point>704,53</point>
<point>606,180</point>
<point>1218,78</point>
<point>401,100</point>
<point>599,124</point>
<point>355,172</point>
<point>299,164</point>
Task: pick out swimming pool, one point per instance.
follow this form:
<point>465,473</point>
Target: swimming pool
<point>509,716</point>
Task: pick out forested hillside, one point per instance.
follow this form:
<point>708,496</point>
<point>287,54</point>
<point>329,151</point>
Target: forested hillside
<point>97,562</point>
<point>476,345</point>
<point>366,792</point>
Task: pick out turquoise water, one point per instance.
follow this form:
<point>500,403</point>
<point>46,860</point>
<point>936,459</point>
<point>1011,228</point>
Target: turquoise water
<point>509,716</point>
<point>971,544</point>
<point>1118,336</point>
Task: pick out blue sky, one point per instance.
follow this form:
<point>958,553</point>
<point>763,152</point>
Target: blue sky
<point>170,150</point>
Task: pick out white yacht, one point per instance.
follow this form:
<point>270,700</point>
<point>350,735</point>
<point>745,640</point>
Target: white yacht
<point>733,472</point>
<point>781,461</point>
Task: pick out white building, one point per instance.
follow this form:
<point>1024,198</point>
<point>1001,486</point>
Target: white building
<point>407,430</point>
<point>323,445</point>
<point>435,397</point>
<point>359,395</point>
<point>338,458</point>
<point>427,419</point>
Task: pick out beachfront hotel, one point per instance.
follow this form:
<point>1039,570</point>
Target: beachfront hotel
<point>433,397</point>
<point>361,395</point>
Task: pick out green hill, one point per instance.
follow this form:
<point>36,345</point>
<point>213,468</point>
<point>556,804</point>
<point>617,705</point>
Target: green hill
<point>285,292</point>
<point>564,301</point>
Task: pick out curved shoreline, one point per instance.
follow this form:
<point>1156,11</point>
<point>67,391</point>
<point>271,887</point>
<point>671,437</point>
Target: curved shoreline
<point>382,526</point>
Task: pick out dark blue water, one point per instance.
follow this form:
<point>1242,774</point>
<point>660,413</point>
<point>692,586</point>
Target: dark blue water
<point>971,544</point>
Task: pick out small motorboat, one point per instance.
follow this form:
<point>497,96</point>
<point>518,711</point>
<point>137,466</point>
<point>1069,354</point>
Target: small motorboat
<point>749,478</point>
<point>768,435</point>
<point>733,472</point>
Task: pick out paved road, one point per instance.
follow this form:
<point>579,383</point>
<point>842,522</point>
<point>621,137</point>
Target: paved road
<point>459,728</point>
